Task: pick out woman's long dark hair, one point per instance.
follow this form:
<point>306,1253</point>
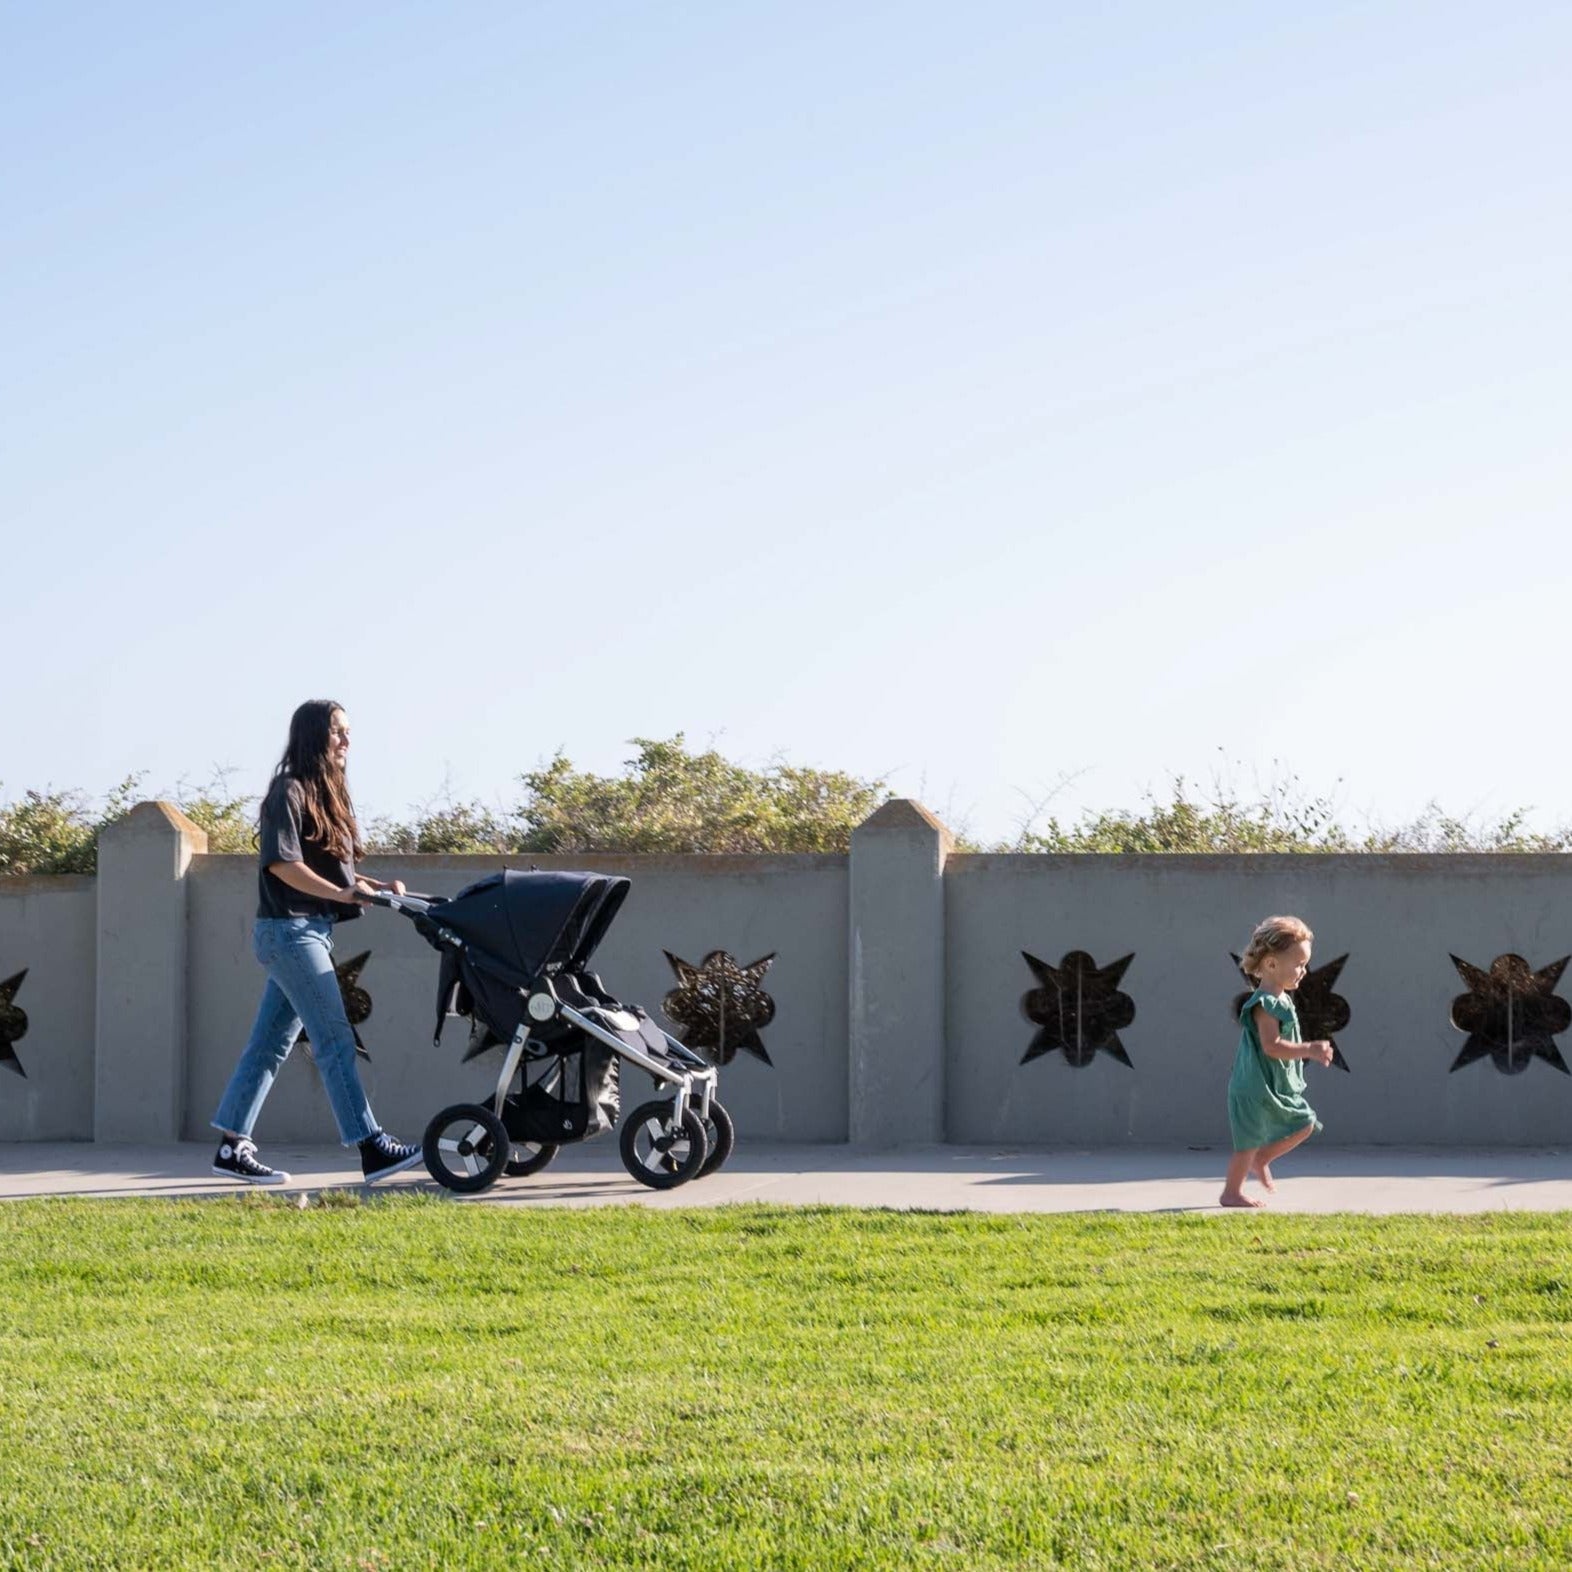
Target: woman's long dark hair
<point>328,816</point>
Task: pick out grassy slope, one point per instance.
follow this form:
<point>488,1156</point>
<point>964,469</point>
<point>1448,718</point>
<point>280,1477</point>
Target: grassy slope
<point>415,1383</point>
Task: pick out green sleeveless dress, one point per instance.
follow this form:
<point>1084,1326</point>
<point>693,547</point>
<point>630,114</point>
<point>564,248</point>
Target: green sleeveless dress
<point>1266,1097</point>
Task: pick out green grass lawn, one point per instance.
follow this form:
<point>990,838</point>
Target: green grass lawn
<point>413,1382</point>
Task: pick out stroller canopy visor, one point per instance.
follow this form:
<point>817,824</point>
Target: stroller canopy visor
<point>532,921</point>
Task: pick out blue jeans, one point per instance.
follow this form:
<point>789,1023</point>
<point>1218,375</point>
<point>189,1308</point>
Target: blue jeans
<point>302,987</point>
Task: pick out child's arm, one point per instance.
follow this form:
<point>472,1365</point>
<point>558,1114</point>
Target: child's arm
<point>1275,1046</point>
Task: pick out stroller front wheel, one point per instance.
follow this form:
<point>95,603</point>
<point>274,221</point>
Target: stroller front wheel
<point>466,1148</point>
<point>660,1152</point>
<point>722,1136</point>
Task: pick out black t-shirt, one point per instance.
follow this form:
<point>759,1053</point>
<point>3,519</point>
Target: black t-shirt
<point>282,841</point>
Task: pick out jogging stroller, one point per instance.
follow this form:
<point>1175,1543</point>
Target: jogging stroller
<point>515,953</point>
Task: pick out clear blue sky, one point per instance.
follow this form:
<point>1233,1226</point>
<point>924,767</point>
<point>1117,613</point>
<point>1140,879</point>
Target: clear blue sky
<point>968,395</point>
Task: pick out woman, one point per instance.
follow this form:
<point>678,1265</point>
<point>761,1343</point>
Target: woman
<point>306,882</point>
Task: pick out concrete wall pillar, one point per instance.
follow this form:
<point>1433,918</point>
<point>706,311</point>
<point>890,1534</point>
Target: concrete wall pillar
<point>897,977</point>
<point>140,1047</point>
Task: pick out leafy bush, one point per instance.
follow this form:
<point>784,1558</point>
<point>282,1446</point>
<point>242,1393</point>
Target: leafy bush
<point>230,821</point>
<point>1284,819</point>
<point>57,831</point>
<point>669,799</point>
<point>453,827</point>
<point>672,799</point>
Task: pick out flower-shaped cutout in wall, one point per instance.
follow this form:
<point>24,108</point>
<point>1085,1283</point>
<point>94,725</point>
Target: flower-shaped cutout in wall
<point>1322,1013</point>
<point>1078,1009</point>
<point>1511,1014</point>
<point>13,1023</point>
<point>357,1002</point>
<point>718,1006</point>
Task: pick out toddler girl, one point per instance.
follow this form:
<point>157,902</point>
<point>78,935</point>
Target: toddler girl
<point>1267,1111</point>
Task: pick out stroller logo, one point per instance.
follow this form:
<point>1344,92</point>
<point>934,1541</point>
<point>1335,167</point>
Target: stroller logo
<point>1322,1013</point>
<point>1511,1014</point>
<point>719,1006</point>
<point>1078,1010</point>
<point>13,1023</point>
<point>357,1002</point>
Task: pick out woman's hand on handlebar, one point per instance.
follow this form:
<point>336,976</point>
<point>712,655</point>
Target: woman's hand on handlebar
<point>393,886</point>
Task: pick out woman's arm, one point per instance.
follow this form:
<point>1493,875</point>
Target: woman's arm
<point>1275,1046</point>
<point>299,877</point>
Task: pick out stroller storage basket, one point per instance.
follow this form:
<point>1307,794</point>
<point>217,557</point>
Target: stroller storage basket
<point>570,1091</point>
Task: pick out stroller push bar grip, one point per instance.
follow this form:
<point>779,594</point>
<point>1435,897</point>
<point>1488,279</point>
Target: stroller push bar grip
<point>408,901</point>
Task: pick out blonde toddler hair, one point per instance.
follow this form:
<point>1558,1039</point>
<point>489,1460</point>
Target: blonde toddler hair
<point>1270,938</point>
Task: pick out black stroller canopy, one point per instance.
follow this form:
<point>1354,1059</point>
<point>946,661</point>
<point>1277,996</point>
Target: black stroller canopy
<point>532,921</point>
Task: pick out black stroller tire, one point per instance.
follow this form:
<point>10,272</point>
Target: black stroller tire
<point>722,1135</point>
<point>666,1157</point>
<point>471,1160</point>
<point>536,1154</point>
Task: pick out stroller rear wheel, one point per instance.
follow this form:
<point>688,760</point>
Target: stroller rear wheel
<point>529,1157</point>
<point>466,1148</point>
<point>660,1152</point>
<point>722,1136</point>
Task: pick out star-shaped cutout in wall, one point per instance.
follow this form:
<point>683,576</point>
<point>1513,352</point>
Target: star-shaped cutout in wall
<point>357,1002</point>
<point>13,1023</point>
<point>1322,1013</point>
<point>1078,1009</point>
<point>719,1007</point>
<point>1511,1014</point>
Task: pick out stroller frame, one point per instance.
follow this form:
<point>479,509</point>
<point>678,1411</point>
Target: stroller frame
<point>552,986</point>
<point>544,1005</point>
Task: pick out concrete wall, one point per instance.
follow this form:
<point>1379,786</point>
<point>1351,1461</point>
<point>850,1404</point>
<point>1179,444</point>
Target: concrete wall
<point>47,927</point>
<point>897,1071</point>
<point>139,1054</point>
<point>750,906</point>
<point>898,987</point>
<point>1398,918</point>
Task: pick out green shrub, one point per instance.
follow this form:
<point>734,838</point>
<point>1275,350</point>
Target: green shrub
<point>57,831</point>
<point>670,798</point>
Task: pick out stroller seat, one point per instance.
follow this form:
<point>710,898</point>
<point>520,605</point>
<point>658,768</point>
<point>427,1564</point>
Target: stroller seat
<point>592,1001</point>
<point>617,1020</point>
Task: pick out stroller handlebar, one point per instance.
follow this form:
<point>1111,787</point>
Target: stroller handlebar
<point>409,901</point>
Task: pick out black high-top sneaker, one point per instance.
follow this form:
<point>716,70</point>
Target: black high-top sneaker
<point>381,1155</point>
<point>238,1160</point>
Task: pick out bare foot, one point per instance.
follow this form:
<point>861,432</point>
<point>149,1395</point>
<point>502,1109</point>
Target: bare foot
<point>1263,1173</point>
<point>1237,1198</point>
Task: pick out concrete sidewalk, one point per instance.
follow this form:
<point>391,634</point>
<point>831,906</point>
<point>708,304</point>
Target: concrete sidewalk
<point>941,1178</point>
